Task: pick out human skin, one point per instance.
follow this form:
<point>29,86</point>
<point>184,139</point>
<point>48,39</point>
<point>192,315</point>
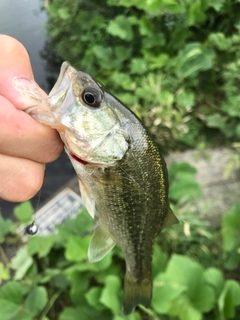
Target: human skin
<point>25,145</point>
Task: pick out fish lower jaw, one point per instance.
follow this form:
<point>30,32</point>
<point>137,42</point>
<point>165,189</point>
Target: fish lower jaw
<point>76,158</point>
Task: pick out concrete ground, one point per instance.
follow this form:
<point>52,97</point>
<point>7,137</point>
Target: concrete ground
<point>220,185</point>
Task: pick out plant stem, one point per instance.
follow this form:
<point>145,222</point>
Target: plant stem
<point>50,304</point>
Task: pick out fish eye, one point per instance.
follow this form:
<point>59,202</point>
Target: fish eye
<point>92,97</point>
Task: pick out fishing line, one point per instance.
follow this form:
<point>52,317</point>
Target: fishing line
<point>33,228</point>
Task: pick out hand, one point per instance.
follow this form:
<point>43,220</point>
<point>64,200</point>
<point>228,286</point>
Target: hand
<point>25,145</point>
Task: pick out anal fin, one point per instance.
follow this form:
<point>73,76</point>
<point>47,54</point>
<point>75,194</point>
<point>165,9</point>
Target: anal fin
<point>101,244</point>
<point>170,219</point>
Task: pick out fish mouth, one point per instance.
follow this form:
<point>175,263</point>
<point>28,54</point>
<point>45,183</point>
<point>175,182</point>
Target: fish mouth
<point>73,156</point>
<point>67,73</point>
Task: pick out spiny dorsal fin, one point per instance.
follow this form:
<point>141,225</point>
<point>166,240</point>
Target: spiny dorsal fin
<point>100,244</point>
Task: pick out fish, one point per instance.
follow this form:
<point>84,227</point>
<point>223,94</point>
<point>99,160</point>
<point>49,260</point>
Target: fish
<point>123,178</point>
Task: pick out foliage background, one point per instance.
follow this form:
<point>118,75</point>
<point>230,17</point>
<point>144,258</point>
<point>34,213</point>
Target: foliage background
<point>176,64</point>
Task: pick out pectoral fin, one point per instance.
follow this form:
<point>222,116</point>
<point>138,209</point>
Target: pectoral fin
<point>170,219</point>
<point>101,244</point>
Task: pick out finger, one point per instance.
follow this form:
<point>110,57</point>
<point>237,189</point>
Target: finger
<point>21,136</point>
<point>21,179</point>
<point>14,62</point>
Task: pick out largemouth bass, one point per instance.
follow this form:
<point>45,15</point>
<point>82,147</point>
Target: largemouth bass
<point>122,176</point>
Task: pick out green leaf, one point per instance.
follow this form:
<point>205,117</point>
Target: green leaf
<point>164,294</point>
<point>77,248</point>
<point>70,314</point>
<point>24,211</point>
<point>184,310</point>
<point>41,245</point>
<point>215,120</point>
<point>64,13</point>
<point>79,286</point>
<point>9,310</point>
<point>219,40</point>
<point>21,263</point>
<point>160,259</point>
<point>184,190</point>
<point>5,228</point>
<point>195,13</point>
<point>121,27</point>
<point>4,273</point>
<point>186,99</point>
<point>83,313</point>
<point>193,59</point>
<point>186,272</point>
<point>216,4</point>
<point>231,228</point>
<point>181,168</point>
<point>12,292</point>
<point>229,299</point>
<point>138,66</point>
<point>36,300</point>
<point>80,225</point>
<point>93,298</point>
<point>110,294</point>
<point>60,281</point>
<point>214,277</point>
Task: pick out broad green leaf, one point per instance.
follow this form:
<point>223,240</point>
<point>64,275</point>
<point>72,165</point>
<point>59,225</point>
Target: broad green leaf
<point>229,299</point>
<point>193,59</point>
<point>9,310</point>
<point>83,313</point>
<point>214,277</point>
<point>12,292</point>
<point>4,273</point>
<point>60,281</point>
<point>184,191</point>
<point>181,167</point>
<point>78,226</point>
<point>215,120</point>
<point>160,259</point>
<point>24,212</point>
<point>110,294</point>
<point>231,228</point>
<point>216,4</point>
<point>186,99</point>
<point>70,314</point>
<point>21,263</point>
<point>77,248</point>
<point>219,40</point>
<point>64,13</point>
<point>79,286</point>
<point>5,228</point>
<point>41,245</point>
<point>184,310</point>
<point>184,271</point>
<point>164,294</point>
<point>138,66</point>
<point>36,300</point>
<point>121,27</point>
<point>93,298</point>
<point>195,13</point>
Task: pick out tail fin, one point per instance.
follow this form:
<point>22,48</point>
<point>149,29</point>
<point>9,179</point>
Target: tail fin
<point>136,293</point>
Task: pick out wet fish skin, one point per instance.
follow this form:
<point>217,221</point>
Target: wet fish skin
<point>122,176</point>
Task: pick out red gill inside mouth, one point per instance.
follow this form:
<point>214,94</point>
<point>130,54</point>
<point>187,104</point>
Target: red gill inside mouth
<point>78,159</point>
